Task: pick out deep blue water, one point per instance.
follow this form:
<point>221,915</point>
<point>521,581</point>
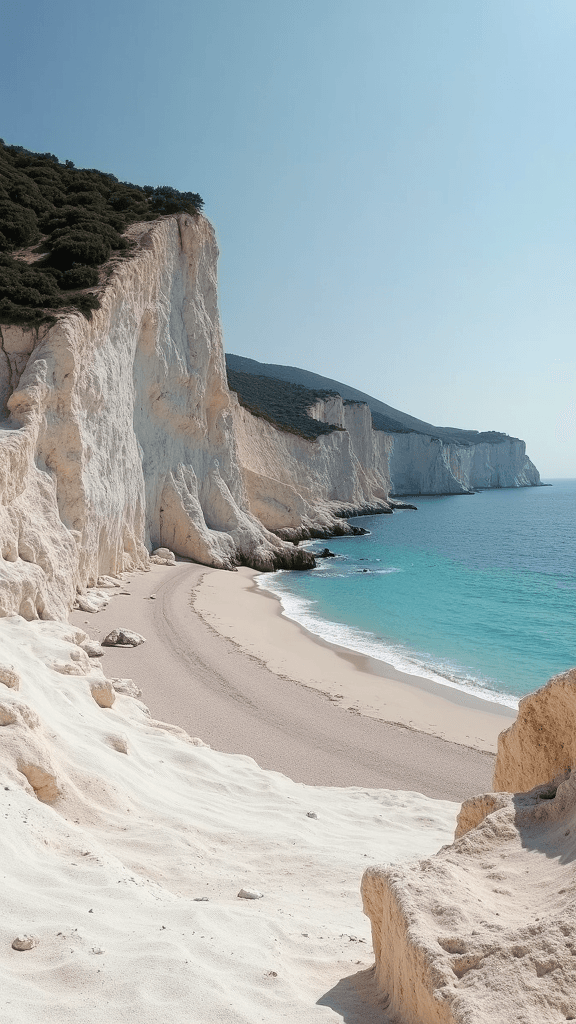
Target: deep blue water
<point>476,591</point>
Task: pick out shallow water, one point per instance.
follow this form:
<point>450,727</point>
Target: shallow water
<point>475,591</point>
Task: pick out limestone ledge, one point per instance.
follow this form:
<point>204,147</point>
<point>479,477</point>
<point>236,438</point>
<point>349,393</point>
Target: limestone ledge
<point>541,743</point>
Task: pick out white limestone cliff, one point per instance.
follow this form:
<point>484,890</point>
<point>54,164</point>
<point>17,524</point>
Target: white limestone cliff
<point>421,464</point>
<point>298,487</point>
<point>119,436</point>
<point>421,458</point>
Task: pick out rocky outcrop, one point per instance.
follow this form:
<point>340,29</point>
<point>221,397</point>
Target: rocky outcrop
<point>119,435</point>
<point>541,743</point>
<point>484,932</point>
<point>302,488</point>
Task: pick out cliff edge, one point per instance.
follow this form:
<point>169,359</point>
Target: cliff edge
<point>117,434</point>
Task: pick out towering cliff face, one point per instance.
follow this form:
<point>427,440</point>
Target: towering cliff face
<point>119,434</point>
<point>302,488</point>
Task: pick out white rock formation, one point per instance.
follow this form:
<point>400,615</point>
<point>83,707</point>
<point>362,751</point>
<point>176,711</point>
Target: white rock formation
<point>304,488</point>
<point>420,464</point>
<point>484,932</point>
<point>119,437</point>
<point>541,744</point>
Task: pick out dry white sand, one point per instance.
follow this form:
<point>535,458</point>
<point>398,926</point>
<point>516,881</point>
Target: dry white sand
<point>130,879</point>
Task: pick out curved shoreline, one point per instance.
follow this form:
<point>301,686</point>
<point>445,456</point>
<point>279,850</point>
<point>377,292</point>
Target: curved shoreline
<point>253,618</point>
<point>380,666</point>
<point>221,690</point>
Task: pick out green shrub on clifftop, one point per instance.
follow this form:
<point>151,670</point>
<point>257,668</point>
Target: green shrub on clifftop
<point>70,221</point>
<point>283,404</point>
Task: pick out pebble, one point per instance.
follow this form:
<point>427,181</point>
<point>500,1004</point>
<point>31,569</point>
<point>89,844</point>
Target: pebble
<point>22,942</point>
<point>311,814</point>
<point>250,894</point>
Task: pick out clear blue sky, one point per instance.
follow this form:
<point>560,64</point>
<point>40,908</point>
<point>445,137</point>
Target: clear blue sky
<point>392,182</point>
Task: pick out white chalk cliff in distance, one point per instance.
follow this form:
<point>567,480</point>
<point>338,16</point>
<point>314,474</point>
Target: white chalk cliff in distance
<point>417,457</point>
<point>117,434</point>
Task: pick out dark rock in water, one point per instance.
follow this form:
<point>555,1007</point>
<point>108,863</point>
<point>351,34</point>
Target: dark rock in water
<point>359,531</point>
<point>298,558</point>
<point>325,553</point>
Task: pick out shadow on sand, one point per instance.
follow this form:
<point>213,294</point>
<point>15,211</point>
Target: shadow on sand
<point>356,999</point>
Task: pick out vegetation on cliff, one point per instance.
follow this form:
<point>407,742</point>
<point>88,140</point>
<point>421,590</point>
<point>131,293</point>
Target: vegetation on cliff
<point>283,404</point>
<point>59,224</point>
<point>384,417</point>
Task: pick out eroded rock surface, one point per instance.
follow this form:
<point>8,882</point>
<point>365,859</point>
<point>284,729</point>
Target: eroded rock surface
<point>123,638</point>
<point>484,932</point>
<point>542,741</point>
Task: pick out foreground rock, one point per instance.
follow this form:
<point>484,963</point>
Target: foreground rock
<point>24,942</point>
<point>542,741</point>
<point>484,932</point>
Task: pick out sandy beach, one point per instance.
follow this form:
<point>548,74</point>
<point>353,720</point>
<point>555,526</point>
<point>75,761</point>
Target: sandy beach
<point>130,882</point>
<point>222,662</point>
<point>358,683</point>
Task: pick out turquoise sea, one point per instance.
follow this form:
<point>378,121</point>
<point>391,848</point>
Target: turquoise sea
<point>475,591</point>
